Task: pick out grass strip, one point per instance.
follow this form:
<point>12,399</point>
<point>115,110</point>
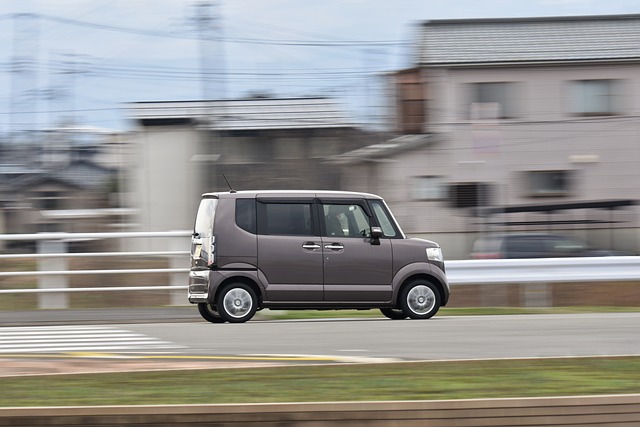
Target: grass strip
<point>396,381</point>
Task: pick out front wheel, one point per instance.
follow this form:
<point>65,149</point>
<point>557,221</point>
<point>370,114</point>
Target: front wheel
<point>209,313</point>
<point>420,299</point>
<point>393,313</point>
<point>237,303</point>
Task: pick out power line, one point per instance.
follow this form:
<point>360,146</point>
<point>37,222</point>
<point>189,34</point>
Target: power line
<point>243,40</point>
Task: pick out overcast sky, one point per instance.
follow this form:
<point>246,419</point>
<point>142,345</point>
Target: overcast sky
<point>86,57</point>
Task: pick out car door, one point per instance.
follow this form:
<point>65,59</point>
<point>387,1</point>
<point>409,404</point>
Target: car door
<point>289,251</point>
<point>356,269</point>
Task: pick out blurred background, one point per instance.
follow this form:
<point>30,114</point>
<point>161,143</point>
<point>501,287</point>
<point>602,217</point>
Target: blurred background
<point>469,118</point>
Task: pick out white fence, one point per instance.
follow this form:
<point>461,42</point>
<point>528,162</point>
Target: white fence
<point>53,273</point>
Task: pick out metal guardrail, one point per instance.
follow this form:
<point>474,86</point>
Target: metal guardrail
<point>543,270</point>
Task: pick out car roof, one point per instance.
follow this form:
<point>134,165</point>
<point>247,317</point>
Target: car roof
<point>292,194</point>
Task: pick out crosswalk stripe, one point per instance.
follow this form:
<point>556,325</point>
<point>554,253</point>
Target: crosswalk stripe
<point>54,339</point>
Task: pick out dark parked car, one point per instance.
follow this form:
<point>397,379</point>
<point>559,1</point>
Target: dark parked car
<point>309,250</point>
<point>534,245</point>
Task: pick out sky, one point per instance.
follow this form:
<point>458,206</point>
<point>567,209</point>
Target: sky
<point>81,61</point>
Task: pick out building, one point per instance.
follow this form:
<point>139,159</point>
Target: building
<point>66,179</point>
<point>186,148</point>
<point>514,124</point>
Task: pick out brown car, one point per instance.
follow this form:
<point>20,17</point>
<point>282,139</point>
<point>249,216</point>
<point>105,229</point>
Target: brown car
<point>309,250</point>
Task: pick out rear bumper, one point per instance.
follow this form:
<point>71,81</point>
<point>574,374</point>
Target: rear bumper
<point>198,286</point>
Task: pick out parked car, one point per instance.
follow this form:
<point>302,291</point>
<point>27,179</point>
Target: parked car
<point>534,245</point>
<point>309,250</point>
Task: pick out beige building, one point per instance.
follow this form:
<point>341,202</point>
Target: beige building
<point>184,149</point>
<point>535,122</point>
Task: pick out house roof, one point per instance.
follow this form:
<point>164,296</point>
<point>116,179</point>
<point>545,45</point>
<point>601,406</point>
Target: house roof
<point>381,152</point>
<point>244,114</point>
<point>549,39</point>
<point>79,174</point>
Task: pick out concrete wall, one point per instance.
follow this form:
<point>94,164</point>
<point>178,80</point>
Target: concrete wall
<point>167,184</point>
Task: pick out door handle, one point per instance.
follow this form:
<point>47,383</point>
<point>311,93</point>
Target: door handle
<point>334,246</point>
<point>310,245</point>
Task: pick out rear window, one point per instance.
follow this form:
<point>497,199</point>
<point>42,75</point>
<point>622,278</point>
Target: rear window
<point>205,216</point>
<point>487,245</point>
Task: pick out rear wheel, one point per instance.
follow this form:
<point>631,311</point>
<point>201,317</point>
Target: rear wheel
<point>420,299</point>
<point>209,313</point>
<point>237,303</point>
<point>393,313</point>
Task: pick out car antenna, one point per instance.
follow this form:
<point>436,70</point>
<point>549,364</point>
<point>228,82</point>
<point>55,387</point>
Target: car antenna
<point>231,190</point>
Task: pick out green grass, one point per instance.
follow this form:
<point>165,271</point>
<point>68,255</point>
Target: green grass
<point>398,381</point>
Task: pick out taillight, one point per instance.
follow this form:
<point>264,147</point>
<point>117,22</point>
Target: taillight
<point>488,255</point>
<point>211,260</point>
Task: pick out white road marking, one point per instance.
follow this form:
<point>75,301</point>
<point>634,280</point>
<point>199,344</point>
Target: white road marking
<point>56,339</point>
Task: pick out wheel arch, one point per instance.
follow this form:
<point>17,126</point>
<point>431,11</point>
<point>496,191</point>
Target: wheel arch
<point>422,276</point>
<point>240,279</point>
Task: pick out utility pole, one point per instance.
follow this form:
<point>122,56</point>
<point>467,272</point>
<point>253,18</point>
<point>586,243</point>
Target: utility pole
<point>207,22</point>
<point>24,77</point>
<point>208,25</point>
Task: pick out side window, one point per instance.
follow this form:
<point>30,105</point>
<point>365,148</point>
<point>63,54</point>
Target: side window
<point>385,222</point>
<point>345,220</point>
<point>246,214</point>
<point>288,219</point>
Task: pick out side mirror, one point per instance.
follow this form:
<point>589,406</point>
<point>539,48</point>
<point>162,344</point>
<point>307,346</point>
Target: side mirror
<point>376,234</point>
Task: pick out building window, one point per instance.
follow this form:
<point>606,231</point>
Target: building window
<point>494,100</point>
<point>429,188</point>
<point>549,183</point>
<point>469,194</point>
<point>49,200</point>
<point>593,97</point>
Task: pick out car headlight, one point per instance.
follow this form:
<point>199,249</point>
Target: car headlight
<point>435,254</point>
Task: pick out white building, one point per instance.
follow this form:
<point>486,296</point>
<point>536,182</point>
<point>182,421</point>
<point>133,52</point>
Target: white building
<point>537,118</point>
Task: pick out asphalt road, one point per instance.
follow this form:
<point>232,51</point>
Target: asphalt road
<point>468,337</point>
<point>439,338</point>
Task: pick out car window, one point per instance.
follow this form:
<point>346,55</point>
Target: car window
<point>487,244</point>
<point>289,219</point>
<point>567,244</point>
<point>345,220</point>
<point>205,216</point>
<point>383,219</point>
<point>246,214</point>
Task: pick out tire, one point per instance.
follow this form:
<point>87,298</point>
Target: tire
<point>393,313</point>
<point>237,303</point>
<point>420,299</point>
<point>209,313</point>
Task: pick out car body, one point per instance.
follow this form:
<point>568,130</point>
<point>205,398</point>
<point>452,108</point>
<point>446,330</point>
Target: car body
<point>309,250</point>
<point>533,245</point>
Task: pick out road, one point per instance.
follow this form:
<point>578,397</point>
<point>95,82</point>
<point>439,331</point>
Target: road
<point>439,338</point>
<point>469,337</point>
